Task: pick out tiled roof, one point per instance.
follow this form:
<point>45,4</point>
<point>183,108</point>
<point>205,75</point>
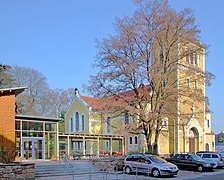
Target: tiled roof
<point>130,95</point>
<point>95,103</point>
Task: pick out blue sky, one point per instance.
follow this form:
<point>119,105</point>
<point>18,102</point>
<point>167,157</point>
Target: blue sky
<point>57,38</point>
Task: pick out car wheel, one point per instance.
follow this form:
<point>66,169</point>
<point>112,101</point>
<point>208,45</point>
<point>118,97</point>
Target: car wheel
<point>155,173</point>
<point>200,168</point>
<point>127,170</point>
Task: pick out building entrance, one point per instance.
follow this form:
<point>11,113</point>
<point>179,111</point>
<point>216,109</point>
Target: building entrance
<point>32,148</point>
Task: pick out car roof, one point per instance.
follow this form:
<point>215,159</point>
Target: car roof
<point>135,155</point>
<point>207,152</point>
<point>184,153</point>
<point>141,155</point>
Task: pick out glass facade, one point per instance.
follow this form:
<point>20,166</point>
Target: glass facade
<point>36,139</point>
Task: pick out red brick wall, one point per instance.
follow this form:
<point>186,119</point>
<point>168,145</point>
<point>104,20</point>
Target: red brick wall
<point>7,120</point>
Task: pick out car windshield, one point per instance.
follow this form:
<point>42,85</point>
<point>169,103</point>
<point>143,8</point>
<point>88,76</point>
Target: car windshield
<point>157,159</point>
<point>195,157</point>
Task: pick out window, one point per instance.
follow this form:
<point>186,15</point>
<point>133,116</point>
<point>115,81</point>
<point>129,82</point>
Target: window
<point>83,122</point>
<point>136,139</point>
<point>196,84</point>
<point>161,57</point>
<point>164,83</point>
<point>165,123</point>
<point>18,125</point>
<point>187,57</point>
<point>215,156</point>
<point>192,58</point>
<point>130,140</point>
<point>108,125</point>
<point>196,59</point>
<point>71,124</point>
<point>34,126</point>
<point>78,145</point>
<point>188,82</point>
<point>206,156</point>
<point>126,118</point>
<point>50,127</point>
<point>208,123</point>
<point>76,121</point>
<point>107,144</point>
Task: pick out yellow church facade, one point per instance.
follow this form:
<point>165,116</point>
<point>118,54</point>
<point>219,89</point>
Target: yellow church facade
<point>192,132</point>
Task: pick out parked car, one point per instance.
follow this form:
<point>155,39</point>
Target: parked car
<point>151,164</point>
<point>190,161</point>
<point>222,155</point>
<point>206,155</point>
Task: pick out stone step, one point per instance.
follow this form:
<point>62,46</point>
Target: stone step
<point>49,171</point>
<point>65,169</point>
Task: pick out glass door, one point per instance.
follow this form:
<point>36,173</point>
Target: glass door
<point>27,146</point>
<point>38,145</point>
<point>32,148</point>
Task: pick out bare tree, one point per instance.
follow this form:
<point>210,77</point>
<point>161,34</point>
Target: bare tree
<point>27,102</point>
<point>56,102</point>
<point>143,59</point>
<point>38,99</point>
<point>5,77</point>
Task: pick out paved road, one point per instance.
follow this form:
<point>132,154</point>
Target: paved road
<point>182,175</point>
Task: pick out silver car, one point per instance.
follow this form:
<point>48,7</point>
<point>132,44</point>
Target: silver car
<point>208,156</point>
<point>150,164</point>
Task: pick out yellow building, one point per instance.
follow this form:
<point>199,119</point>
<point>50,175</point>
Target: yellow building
<point>188,130</point>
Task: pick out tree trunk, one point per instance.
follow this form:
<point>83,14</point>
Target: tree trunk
<point>149,142</point>
<point>155,146</point>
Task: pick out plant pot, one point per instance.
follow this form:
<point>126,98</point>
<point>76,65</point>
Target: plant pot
<point>54,158</point>
<point>18,159</point>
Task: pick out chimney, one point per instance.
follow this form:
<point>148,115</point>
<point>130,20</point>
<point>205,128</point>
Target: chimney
<point>76,91</point>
